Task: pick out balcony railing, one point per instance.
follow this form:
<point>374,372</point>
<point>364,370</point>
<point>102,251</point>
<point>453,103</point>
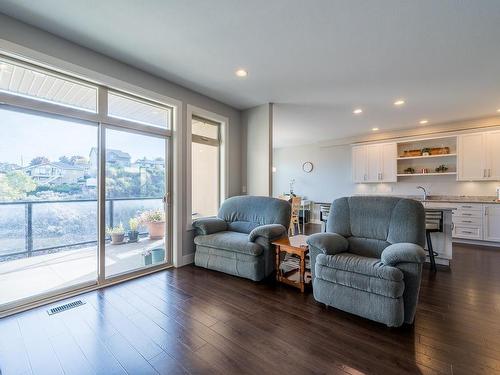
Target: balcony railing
<point>30,249</point>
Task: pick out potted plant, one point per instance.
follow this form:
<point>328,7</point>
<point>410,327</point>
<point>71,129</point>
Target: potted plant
<point>155,221</point>
<point>442,168</point>
<point>133,233</point>
<point>409,170</point>
<point>426,151</point>
<point>117,234</point>
<point>147,258</point>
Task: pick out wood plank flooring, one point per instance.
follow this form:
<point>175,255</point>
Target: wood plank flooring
<point>194,321</point>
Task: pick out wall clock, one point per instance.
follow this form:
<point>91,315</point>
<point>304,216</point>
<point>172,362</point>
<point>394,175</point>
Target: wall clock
<point>307,167</point>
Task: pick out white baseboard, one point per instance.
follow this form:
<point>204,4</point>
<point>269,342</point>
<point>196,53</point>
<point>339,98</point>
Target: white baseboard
<point>475,242</point>
<point>186,259</point>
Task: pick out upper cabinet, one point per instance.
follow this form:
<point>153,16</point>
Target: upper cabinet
<point>374,163</point>
<point>479,156</point>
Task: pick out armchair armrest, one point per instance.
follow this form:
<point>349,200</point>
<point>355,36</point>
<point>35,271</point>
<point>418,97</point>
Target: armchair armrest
<point>209,225</point>
<point>403,252</point>
<point>328,243</point>
<point>268,231</point>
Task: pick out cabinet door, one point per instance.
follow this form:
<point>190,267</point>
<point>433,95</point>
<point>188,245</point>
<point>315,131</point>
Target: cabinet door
<point>359,164</point>
<point>491,225</point>
<point>389,153</point>
<point>492,151</point>
<point>471,164</point>
<point>373,163</point>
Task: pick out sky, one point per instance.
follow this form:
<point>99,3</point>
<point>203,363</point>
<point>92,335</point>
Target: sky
<point>24,136</point>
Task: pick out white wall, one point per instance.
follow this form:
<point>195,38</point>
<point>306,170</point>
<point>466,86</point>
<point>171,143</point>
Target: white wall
<point>257,123</point>
<point>47,49</point>
<point>331,177</point>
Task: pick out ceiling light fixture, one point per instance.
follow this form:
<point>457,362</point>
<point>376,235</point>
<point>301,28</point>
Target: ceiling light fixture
<point>375,129</point>
<point>423,122</point>
<point>399,102</point>
<point>498,110</point>
<point>241,73</point>
<point>357,111</point>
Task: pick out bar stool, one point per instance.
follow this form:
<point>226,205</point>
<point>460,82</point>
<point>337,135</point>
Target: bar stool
<point>433,223</point>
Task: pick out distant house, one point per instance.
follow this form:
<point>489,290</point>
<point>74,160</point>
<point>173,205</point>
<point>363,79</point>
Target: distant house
<point>55,173</point>
<point>8,167</point>
<point>114,157</point>
<point>150,164</point>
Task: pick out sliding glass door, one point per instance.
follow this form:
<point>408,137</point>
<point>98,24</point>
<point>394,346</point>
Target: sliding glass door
<point>48,204</point>
<point>84,182</point>
<point>136,186</point>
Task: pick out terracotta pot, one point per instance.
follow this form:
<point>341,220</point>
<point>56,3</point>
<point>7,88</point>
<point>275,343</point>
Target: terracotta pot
<point>156,230</point>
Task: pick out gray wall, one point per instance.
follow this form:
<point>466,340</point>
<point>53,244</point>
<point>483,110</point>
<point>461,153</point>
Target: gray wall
<point>257,138</point>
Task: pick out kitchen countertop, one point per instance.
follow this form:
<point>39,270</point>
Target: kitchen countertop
<point>456,199</point>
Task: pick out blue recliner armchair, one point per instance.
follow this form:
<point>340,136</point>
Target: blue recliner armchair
<point>370,261</point>
<point>238,240</point>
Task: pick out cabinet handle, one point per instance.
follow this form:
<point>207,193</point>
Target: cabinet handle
<point>484,172</point>
<point>467,232</point>
<point>466,214</point>
<point>486,211</point>
<point>364,177</point>
<point>467,206</point>
<point>467,221</point>
<point>489,172</point>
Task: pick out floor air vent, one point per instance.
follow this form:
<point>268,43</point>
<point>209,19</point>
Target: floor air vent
<point>64,307</point>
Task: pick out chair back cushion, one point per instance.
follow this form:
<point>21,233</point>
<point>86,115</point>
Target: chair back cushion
<point>372,223</point>
<point>246,212</point>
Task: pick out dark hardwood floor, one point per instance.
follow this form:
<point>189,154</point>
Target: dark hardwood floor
<point>194,321</point>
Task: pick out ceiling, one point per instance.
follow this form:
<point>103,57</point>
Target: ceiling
<point>317,60</point>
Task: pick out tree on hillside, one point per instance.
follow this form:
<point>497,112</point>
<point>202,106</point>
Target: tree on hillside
<point>15,185</point>
<point>39,160</point>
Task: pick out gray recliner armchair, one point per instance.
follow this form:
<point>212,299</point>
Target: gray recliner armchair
<point>238,240</point>
<point>370,261</point>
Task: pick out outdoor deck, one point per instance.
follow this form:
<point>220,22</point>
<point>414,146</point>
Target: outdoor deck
<point>26,277</point>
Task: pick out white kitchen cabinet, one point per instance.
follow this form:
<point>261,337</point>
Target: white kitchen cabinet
<point>492,155</point>
<point>471,164</point>
<point>359,168</point>
<point>491,222</point>
<point>479,156</point>
<point>374,163</point>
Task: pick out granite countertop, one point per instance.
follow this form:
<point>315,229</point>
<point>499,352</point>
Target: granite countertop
<point>456,199</point>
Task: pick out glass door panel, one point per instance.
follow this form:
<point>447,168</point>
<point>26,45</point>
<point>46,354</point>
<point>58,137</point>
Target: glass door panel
<point>48,205</point>
<point>136,225</point>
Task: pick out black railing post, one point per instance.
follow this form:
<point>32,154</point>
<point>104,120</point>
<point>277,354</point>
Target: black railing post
<point>111,212</point>
<point>28,235</point>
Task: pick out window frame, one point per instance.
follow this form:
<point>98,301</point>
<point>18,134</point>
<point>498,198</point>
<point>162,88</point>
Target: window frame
<point>102,121</point>
<point>204,140</point>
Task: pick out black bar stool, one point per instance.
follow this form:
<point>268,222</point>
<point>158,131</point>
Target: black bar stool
<point>433,223</point>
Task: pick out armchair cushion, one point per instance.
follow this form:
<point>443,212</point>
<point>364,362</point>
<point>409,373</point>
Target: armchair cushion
<point>403,252</point>
<point>229,241</point>
<point>328,243</point>
<point>268,231</point>
<point>209,225</point>
<point>358,264</point>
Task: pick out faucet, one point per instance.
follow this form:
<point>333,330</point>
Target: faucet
<point>425,191</point>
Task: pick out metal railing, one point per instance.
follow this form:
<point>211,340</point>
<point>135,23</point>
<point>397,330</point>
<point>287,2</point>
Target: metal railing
<point>29,249</point>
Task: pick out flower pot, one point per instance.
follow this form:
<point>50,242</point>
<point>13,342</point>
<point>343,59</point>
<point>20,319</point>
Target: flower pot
<point>156,230</point>
<point>117,238</point>
<point>158,255</point>
<point>148,259</point>
<point>133,236</point>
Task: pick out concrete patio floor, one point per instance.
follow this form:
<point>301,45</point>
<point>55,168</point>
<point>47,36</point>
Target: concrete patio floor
<point>27,277</point>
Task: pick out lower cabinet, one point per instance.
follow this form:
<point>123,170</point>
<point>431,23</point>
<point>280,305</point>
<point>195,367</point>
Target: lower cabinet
<point>491,222</point>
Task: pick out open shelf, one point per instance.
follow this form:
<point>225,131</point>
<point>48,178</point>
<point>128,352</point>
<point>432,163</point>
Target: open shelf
<point>425,157</point>
<point>426,174</point>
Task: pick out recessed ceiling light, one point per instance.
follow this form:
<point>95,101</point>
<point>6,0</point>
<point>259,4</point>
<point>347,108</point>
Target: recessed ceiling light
<point>399,102</point>
<point>357,111</point>
<point>498,110</point>
<point>423,122</point>
<point>241,73</point>
<point>375,129</point>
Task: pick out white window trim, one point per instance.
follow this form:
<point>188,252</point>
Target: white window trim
<point>224,161</point>
<point>177,133</point>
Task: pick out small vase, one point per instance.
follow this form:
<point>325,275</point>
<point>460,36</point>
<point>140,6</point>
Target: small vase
<point>148,259</point>
<point>117,239</point>
<point>158,255</point>
<point>133,236</point>
<point>156,230</point>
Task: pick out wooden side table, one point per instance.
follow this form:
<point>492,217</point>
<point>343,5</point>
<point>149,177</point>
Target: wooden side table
<point>295,245</point>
